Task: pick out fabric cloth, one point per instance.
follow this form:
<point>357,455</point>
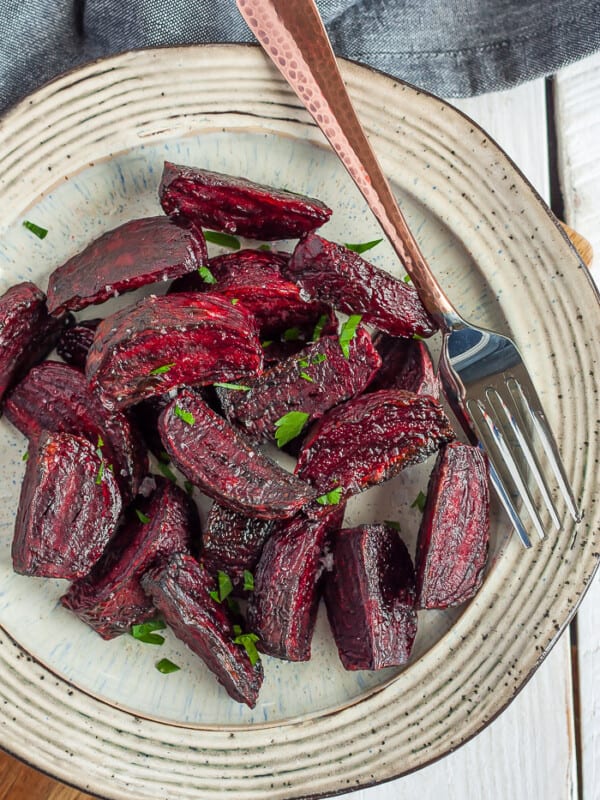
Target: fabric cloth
<point>450,47</point>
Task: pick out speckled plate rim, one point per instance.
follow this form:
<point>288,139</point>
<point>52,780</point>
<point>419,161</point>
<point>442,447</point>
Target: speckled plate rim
<point>279,749</point>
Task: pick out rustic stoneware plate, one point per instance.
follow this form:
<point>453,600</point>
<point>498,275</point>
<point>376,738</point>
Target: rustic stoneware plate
<point>84,154</point>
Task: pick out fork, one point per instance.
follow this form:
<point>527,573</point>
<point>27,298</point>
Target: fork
<point>485,379</point>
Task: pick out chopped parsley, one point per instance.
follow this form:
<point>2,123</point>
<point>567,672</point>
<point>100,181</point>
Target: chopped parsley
<point>100,474</point>
<point>189,487</point>
<point>206,275</point>
<point>321,322</point>
<point>237,386</point>
<point>266,343</point>
<point>348,332</point>
<point>162,370</point>
<point>167,471</point>
<point>145,632</point>
<point>418,338</point>
<point>142,517</point>
<point>419,502</point>
<point>166,667</point>
<point>25,455</point>
<point>248,581</point>
<point>289,426</point>
<point>222,239</point>
<point>184,415</point>
<point>363,246</point>
<point>291,334</point>
<point>265,247</point>
<point>391,523</point>
<point>248,642</point>
<point>307,377</point>
<point>40,232</point>
<point>331,498</point>
<point>407,279</point>
<point>164,457</point>
<point>224,587</point>
<point>235,301</point>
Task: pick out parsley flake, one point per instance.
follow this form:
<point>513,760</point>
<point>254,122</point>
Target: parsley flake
<point>321,322</point>
<point>163,369</point>
<point>266,343</point>
<point>145,632</point>
<point>248,642</point>
<point>100,441</point>
<point>167,471</point>
<point>142,517</point>
<point>264,247</point>
<point>418,338</point>
<point>164,457</point>
<point>222,239</point>
<point>419,502</point>
<point>307,377</point>
<point>348,332</point>
<point>363,246</point>
<point>248,581</point>
<point>184,415</point>
<point>407,279</point>
<point>224,587</point>
<point>40,232</point>
<point>235,301</point>
<point>289,426</point>
<point>318,358</point>
<point>189,487</point>
<point>100,474</point>
<point>331,498</point>
<point>25,455</point>
<point>237,386</point>
<point>291,334</point>
<point>391,523</point>
<point>166,667</point>
<point>206,275</point>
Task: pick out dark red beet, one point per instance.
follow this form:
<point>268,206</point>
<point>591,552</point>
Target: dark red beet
<point>340,277</point>
<point>453,538</point>
<point>370,598</point>
<point>185,338</point>
<point>27,332</point>
<point>313,381</point>
<point>135,254</point>
<point>111,599</point>
<point>75,342</point>
<point>55,397</point>
<point>406,364</point>
<point>237,205</point>
<point>68,509</point>
<point>282,609</point>
<point>224,465</point>
<point>180,588</point>
<point>371,438</point>
<point>232,542</point>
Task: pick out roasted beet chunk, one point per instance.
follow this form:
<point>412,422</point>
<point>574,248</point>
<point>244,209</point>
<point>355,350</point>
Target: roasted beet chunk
<point>232,542</point>
<point>338,276</point>
<point>313,381</point>
<point>406,364</point>
<point>453,538</point>
<point>371,438</point>
<point>237,205</point>
<point>139,252</point>
<point>55,397</point>
<point>370,598</point>
<point>164,342</point>
<point>224,465</point>
<point>180,588</point>
<point>68,509</point>
<point>75,342</point>
<point>283,606</point>
<point>27,332</point>
<point>111,599</point>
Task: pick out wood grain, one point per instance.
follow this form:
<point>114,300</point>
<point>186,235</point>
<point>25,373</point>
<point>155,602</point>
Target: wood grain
<point>20,782</point>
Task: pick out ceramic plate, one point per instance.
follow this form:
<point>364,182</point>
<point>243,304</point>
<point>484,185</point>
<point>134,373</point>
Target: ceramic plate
<point>85,154</point>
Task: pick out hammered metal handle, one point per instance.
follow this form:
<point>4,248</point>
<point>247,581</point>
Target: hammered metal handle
<point>292,34</point>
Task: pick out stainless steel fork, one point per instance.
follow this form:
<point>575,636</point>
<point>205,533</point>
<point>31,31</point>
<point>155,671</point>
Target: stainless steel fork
<point>484,376</point>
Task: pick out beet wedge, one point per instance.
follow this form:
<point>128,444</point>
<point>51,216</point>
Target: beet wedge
<point>135,254</point>
<point>224,465</point>
<point>370,598</point>
<point>74,342</point>
<point>237,205</point>
<point>313,381</point>
<point>340,277</point>
<point>27,332</point>
<point>180,589</point>
<point>370,439</point>
<point>56,397</point>
<point>453,540</point>
<point>111,599</point>
<point>406,364</point>
<point>161,343</point>
<point>68,509</point>
<point>282,609</point>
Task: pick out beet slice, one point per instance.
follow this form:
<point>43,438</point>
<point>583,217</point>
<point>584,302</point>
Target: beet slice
<point>371,438</point>
<point>75,342</point>
<point>111,599</point>
<point>135,254</point>
<point>313,381</point>
<point>282,609</point>
<point>68,509</point>
<point>406,364</point>
<point>27,332</point>
<point>340,277</point>
<point>223,463</point>
<point>453,540</point>
<point>180,588</point>
<point>164,342</point>
<point>56,397</point>
<point>370,598</point>
<point>237,205</point>
<point>233,542</point>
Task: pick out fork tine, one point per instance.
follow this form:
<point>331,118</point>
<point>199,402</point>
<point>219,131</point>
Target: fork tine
<point>508,505</point>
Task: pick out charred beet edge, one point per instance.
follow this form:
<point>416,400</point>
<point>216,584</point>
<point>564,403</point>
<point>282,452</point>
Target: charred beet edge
<point>370,439</point>
<point>406,364</point>
<point>180,588</point>
<point>164,342</point>
<point>111,599</point>
<point>370,598</point>
<point>335,275</point>
<point>224,465</point>
<point>313,381</point>
<point>232,542</point>
<point>68,509</point>
<point>282,609</point>
<point>135,254</point>
<point>237,205</point>
<point>27,332</point>
<point>453,539</point>
<point>55,397</point>
<point>75,342</point>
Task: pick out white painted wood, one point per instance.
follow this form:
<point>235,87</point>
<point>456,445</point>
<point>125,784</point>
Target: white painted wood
<point>528,752</point>
<point>578,121</point>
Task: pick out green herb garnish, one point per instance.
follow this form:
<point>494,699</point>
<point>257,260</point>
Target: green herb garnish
<point>289,426</point>
<point>419,501</point>
<point>222,239</point>
<point>291,334</point>
<point>145,632</point>
<point>348,332</point>
<point>206,275</point>
<point>264,247</point>
<point>224,587</point>
<point>100,474</point>
<point>331,498</point>
<point>237,386</point>
<point>189,487</point>
<point>164,457</point>
<point>163,369</point>
<point>167,472</point>
<point>25,455</point>
<point>392,524</point>
<point>418,338</point>
<point>307,377</point>
<point>248,581</point>
<point>184,415</point>
<point>407,279</point>
<point>142,517</point>
<point>266,343</point>
<point>363,246</point>
<point>40,232</point>
<point>321,322</point>
<point>248,642</point>
<point>165,666</point>
<point>235,301</point>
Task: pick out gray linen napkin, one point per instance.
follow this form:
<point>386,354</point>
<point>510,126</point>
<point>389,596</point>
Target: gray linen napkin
<point>451,47</point>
